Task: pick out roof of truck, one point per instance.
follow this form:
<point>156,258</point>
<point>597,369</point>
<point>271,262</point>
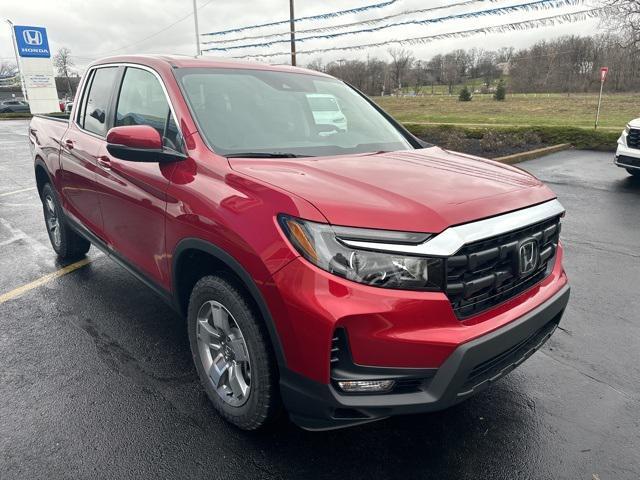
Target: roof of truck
<point>186,61</point>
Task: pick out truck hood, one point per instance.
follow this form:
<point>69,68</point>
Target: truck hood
<point>424,190</point>
<point>635,123</point>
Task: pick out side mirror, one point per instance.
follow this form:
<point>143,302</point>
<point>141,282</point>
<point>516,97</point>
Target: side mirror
<point>139,143</point>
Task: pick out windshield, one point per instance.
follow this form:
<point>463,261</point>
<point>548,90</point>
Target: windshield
<point>323,103</point>
<point>266,113</point>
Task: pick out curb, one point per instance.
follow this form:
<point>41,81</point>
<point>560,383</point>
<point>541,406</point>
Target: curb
<point>17,117</point>
<point>531,154</point>
<point>479,126</point>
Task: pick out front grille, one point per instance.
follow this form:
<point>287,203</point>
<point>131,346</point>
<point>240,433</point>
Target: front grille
<point>486,273</point>
<point>495,367</point>
<point>630,161</point>
<point>633,138</point>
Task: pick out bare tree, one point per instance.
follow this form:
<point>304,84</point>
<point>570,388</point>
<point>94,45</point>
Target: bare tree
<point>565,64</point>
<point>450,71</point>
<point>401,61</point>
<point>316,65</point>
<point>624,19</point>
<point>8,69</point>
<point>505,54</point>
<point>63,63</point>
<point>419,76</point>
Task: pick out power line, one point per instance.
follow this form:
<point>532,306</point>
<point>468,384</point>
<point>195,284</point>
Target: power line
<point>321,16</point>
<point>505,27</point>
<point>330,28</point>
<point>144,39</point>
<point>529,6</point>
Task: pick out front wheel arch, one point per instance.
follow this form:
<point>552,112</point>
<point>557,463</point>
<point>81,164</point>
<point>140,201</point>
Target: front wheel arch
<point>221,261</point>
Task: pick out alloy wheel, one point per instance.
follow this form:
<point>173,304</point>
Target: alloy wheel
<point>53,222</point>
<point>223,353</point>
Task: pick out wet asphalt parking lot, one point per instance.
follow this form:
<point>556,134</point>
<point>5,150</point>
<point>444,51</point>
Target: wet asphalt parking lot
<point>96,379</point>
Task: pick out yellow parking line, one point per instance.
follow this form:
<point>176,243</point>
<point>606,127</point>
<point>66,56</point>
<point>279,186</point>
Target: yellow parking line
<point>42,280</point>
<point>6,194</point>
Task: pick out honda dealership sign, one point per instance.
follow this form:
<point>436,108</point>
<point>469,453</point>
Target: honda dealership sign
<point>36,68</point>
<point>32,42</point>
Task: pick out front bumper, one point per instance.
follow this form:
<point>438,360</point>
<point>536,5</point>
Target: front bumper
<point>626,157</point>
<point>471,367</point>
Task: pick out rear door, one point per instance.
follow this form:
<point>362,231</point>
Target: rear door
<point>132,194</point>
<point>80,147</point>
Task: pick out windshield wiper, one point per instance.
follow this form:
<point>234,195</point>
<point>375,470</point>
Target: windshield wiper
<point>265,155</point>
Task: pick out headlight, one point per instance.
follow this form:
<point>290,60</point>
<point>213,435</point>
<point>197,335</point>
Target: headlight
<point>320,244</point>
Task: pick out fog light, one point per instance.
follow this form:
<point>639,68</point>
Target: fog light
<point>365,386</point>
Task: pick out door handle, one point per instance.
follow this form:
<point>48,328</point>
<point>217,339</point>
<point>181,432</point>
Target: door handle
<point>69,144</point>
<point>104,162</point>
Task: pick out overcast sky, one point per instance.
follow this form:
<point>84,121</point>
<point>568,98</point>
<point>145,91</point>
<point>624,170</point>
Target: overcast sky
<point>97,28</point>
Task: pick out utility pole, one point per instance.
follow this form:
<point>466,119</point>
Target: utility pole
<point>15,50</point>
<point>195,20</point>
<point>292,25</point>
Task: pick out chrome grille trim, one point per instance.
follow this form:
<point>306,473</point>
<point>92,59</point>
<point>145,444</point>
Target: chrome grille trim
<point>453,239</point>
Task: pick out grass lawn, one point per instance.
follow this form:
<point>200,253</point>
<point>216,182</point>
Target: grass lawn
<point>575,110</point>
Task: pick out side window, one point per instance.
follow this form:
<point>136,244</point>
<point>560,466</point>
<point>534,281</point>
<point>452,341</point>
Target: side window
<point>142,102</point>
<point>94,115</point>
<point>83,100</point>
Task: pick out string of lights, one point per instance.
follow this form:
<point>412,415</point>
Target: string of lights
<point>321,16</point>
<point>332,28</point>
<point>502,10</point>
<point>505,27</point>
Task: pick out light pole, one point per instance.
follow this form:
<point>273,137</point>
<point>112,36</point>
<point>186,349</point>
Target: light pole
<point>15,51</point>
<point>195,20</point>
<point>292,25</point>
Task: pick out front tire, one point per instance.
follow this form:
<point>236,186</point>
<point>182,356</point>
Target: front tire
<point>66,242</point>
<point>634,172</point>
<point>233,354</point>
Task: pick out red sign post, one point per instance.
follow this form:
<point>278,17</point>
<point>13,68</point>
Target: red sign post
<point>603,77</point>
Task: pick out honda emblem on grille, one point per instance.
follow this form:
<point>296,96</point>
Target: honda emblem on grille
<point>528,257</point>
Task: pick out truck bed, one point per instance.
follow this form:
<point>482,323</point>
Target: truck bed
<point>46,133</point>
<point>58,117</point>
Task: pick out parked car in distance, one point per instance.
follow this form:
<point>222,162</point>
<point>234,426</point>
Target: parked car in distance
<point>326,111</point>
<point>14,106</point>
<point>342,277</point>
<point>65,106</point>
<point>628,151</point>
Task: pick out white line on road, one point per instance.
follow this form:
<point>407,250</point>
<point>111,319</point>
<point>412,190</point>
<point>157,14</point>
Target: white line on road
<point>45,279</point>
<point>6,194</point>
<point>16,234</point>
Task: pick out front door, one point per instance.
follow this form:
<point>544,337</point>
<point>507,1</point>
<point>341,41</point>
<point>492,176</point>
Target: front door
<point>132,194</point>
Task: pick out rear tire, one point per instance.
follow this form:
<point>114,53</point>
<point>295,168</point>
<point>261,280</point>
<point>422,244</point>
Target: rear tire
<point>232,353</point>
<point>634,172</point>
<point>65,241</point>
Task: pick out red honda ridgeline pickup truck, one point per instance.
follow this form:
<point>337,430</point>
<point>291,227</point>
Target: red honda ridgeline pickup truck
<point>328,262</point>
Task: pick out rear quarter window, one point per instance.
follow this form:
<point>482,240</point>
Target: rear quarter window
<point>95,102</point>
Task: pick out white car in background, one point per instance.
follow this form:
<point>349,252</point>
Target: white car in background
<point>628,152</point>
<point>326,111</point>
